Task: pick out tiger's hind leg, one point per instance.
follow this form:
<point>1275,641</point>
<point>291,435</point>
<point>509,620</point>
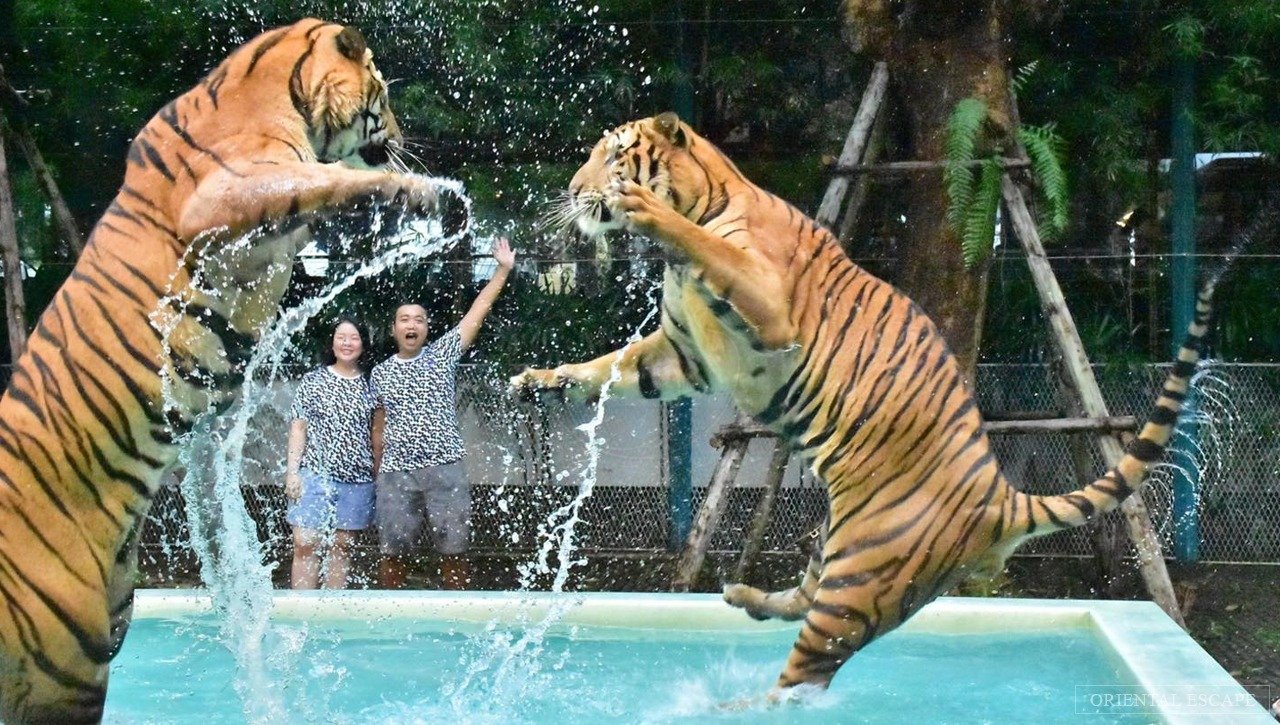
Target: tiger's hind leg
<point>847,612</point>
<point>788,604</point>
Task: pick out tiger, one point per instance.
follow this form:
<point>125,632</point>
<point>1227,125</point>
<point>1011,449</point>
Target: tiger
<point>761,302</point>
<point>152,327</point>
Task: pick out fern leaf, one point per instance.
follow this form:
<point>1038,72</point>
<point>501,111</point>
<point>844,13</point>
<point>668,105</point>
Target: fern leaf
<point>962,138</point>
<point>1023,74</point>
<point>980,219</point>
<point>1045,149</point>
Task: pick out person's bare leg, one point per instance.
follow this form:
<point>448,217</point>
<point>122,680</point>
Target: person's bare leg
<point>455,572</point>
<point>338,561</point>
<point>392,571</point>
<point>305,572</point>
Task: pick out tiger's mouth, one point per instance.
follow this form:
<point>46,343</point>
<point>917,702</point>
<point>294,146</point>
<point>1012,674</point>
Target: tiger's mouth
<point>584,211</point>
<point>598,220</point>
<point>375,153</point>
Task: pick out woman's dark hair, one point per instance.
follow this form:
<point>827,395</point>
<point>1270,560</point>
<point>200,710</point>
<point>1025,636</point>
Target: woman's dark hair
<point>326,343</point>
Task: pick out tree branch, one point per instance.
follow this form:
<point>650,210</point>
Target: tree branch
<point>15,108</point>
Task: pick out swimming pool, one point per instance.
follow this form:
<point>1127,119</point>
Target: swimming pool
<point>482,657</point>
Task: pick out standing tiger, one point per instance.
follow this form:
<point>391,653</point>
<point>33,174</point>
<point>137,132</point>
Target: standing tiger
<point>151,328</point>
<point>760,301</point>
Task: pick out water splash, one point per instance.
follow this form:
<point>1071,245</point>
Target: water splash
<point>223,535</point>
<point>508,668</point>
<point>1204,456</point>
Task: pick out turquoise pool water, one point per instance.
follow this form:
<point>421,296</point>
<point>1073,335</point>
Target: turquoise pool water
<point>405,670</point>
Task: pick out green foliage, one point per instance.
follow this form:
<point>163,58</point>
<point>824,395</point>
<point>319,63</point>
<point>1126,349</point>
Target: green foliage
<point>980,218</point>
<point>975,194</point>
<point>962,141</point>
<point>1022,75</point>
<point>1188,35</point>
<point>1045,149</point>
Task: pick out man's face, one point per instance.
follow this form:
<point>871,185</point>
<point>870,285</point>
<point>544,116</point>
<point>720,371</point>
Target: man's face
<point>410,328</point>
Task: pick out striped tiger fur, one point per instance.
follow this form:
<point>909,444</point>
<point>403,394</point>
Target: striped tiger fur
<point>152,326</point>
<point>760,301</point>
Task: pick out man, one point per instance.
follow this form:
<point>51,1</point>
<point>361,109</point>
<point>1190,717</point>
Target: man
<point>417,450</point>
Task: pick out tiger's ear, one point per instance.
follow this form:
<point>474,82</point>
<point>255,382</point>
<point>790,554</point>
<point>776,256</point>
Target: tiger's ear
<point>669,126</point>
<point>351,44</point>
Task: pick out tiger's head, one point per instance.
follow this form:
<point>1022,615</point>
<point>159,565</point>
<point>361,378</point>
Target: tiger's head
<point>335,90</point>
<point>661,153</point>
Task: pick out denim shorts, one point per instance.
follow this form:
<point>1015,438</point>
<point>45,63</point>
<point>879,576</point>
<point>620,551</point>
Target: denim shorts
<point>326,504</point>
<point>437,496</point>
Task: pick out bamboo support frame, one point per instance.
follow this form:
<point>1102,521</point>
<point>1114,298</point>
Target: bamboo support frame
<point>1079,377</point>
<point>854,145</point>
<point>763,514</point>
<point>713,505</point>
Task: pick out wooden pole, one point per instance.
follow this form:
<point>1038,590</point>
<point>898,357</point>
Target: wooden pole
<point>862,184</point>
<point>15,305</point>
<point>62,218</point>
<point>764,512</point>
<point>1102,424</point>
<point>854,144</point>
<point>717,498</point>
<point>904,168</point>
<point>1079,375</point>
<point>21,135</point>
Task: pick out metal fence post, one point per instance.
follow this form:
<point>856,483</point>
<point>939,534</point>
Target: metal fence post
<point>679,471</point>
<point>1182,215</point>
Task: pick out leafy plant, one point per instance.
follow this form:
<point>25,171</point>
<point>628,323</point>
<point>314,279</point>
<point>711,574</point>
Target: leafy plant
<point>962,140</point>
<point>980,218</point>
<point>975,193</point>
<point>1045,149</point>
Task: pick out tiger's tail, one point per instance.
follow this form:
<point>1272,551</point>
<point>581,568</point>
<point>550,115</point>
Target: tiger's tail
<point>1046,514</point>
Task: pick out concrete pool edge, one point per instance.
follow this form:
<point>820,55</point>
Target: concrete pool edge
<point>1178,682</point>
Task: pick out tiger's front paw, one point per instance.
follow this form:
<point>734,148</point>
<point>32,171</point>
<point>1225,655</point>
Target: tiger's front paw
<point>411,193</point>
<point>531,382</point>
<point>639,207</point>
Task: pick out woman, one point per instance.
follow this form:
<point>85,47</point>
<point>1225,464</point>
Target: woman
<point>329,475</point>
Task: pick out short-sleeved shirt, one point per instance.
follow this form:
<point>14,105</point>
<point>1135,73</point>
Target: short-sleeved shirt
<point>419,396</point>
<point>339,416</point>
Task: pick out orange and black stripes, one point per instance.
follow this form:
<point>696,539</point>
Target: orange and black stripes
<point>862,387</point>
<point>85,428</point>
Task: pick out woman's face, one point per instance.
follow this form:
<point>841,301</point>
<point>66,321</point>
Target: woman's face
<point>347,344</point>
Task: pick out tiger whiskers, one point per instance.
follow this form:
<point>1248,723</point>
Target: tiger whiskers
<point>397,155</point>
<point>396,163</point>
<point>405,149</point>
<point>567,209</point>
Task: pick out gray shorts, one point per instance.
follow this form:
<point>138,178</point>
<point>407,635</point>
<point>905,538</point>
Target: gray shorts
<point>438,496</point>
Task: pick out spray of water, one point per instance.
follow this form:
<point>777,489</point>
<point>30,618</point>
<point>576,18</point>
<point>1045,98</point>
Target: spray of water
<point>223,535</point>
<point>1201,447</point>
<point>508,668</point>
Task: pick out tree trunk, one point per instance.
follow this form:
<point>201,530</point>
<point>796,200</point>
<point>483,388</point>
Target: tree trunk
<point>14,304</point>
<point>939,52</point>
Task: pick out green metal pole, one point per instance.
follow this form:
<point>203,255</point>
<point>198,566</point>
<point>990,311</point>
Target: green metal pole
<point>680,472</point>
<point>680,412</point>
<point>1182,219</point>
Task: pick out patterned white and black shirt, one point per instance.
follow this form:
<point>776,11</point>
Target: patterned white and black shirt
<point>339,416</point>
<point>419,397</point>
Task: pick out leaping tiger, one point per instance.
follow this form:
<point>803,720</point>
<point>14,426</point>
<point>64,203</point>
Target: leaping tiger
<point>293,124</point>
<point>761,302</point>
